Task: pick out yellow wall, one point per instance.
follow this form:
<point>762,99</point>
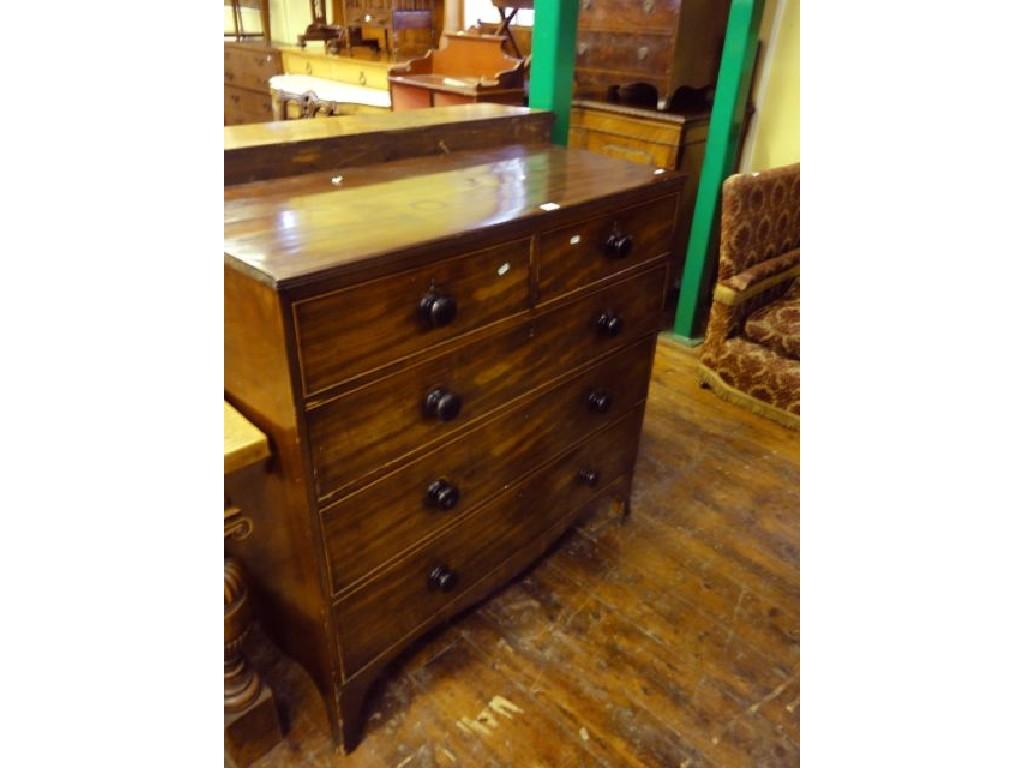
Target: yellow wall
<point>774,137</point>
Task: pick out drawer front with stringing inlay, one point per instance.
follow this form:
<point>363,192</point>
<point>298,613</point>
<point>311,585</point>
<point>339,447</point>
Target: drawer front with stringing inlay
<point>421,404</point>
<point>575,256</point>
<point>366,529</point>
<point>357,329</point>
<point>415,588</point>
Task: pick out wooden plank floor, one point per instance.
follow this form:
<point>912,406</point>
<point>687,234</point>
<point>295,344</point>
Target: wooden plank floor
<point>670,640</point>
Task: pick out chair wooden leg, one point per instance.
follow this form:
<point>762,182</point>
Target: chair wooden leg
<point>251,725</point>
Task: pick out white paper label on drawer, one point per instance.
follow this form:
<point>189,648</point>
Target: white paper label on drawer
<point>575,240</point>
<point>503,269</point>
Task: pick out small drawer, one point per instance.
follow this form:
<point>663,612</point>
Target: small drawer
<point>377,424</point>
<point>583,253</point>
<point>358,329</point>
<point>250,69</point>
<point>402,600</point>
<point>366,529</point>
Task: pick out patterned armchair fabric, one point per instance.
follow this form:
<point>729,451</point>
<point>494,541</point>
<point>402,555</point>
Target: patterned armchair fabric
<point>751,351</point>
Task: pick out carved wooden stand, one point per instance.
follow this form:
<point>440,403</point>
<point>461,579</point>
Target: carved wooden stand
<point>251,726</point>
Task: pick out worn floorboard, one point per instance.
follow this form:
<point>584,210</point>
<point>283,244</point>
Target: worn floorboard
<point>669,640</point>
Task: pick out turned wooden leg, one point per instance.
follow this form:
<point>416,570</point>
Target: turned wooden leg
<point>251,726</point>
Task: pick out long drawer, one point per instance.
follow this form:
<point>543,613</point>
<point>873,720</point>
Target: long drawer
<point>245,106</point>
<point>357,329</point>
<point>636,55</point>
<point>250,67</point>
<point>575,256</point>
<point>403,598</point>
<point>629,14</point>
<point>366,429</point>
<point>366,529</point>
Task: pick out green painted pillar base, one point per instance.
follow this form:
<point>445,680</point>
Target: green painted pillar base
<point>553,60</point>
<point>727,115</point>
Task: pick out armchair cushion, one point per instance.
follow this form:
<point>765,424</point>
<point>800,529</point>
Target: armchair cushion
<point>777,326</point>
<point>761,373</point>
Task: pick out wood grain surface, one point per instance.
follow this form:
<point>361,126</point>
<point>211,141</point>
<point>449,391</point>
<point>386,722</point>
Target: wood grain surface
<point>288,231</point>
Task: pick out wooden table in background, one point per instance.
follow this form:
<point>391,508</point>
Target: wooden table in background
<point>251,725</point>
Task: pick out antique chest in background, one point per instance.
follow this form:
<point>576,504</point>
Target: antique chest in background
<point>247,69</point>
<point>451,357</point>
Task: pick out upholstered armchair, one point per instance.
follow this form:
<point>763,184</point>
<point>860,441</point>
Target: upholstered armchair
<point>751,351</point>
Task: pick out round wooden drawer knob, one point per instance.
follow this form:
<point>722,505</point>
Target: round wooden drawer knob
<point>618,246</point>
<point>442,495</point>
<point>442,578</point>
<point>436,309</point>
<point>610,324</point>
<point>442,404</point>
<point>599,401</point>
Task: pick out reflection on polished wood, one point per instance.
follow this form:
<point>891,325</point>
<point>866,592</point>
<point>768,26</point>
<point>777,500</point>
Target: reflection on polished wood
<point>323,225</point>
<point>671,640</point>
<point>291,147</point>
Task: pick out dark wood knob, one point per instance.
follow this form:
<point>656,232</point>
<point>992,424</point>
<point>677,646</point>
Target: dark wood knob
<point>436,309</point>
<point>618,245</point>
<point>599,401</point>
<point>610,324</point>
<point>588,477</point>
<point>442,495</point>
<point>442,578</point>
<point>441,404</point>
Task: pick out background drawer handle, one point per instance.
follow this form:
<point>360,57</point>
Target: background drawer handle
<point>442,578</point>
<point>442,495</point>
<point>610,324</point>
<point>588,477</point>
<point>441,404</point>
<point>436,309</point>
<point>618,245</point>
<point>599,401</point>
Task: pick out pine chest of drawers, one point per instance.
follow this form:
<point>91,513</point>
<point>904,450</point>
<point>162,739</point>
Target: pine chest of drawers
<point>451,357</point>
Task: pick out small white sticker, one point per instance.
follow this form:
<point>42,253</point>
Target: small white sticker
<point>336,180</point>
<point>658,171</point>
<point>575,240</point>
<point>503,269</point>
<point>549,206</point>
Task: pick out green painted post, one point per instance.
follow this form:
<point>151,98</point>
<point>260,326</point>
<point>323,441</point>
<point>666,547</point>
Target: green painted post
<point>553,58</point>
<point>727,116</point>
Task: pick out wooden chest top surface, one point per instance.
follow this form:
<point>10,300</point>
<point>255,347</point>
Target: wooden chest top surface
<point>290,131</point>
<point>296,230</point>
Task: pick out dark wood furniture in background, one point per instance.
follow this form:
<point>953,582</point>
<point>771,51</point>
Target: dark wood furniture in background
<point>275,150</point>
<point>251,725</point>
<point>247,69</point>
<point>653,138</point>
<point>667,43</point>
<point>451,357</point>
<point>331,35</point>
<point>465,69</point>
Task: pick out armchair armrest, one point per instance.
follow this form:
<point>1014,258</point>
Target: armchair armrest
<point>739,288</point>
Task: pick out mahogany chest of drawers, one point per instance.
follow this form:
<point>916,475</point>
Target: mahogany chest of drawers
<point>667,43</point>
<point>450,356</point>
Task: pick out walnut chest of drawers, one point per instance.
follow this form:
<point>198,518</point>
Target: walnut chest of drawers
<point>451,357</point>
